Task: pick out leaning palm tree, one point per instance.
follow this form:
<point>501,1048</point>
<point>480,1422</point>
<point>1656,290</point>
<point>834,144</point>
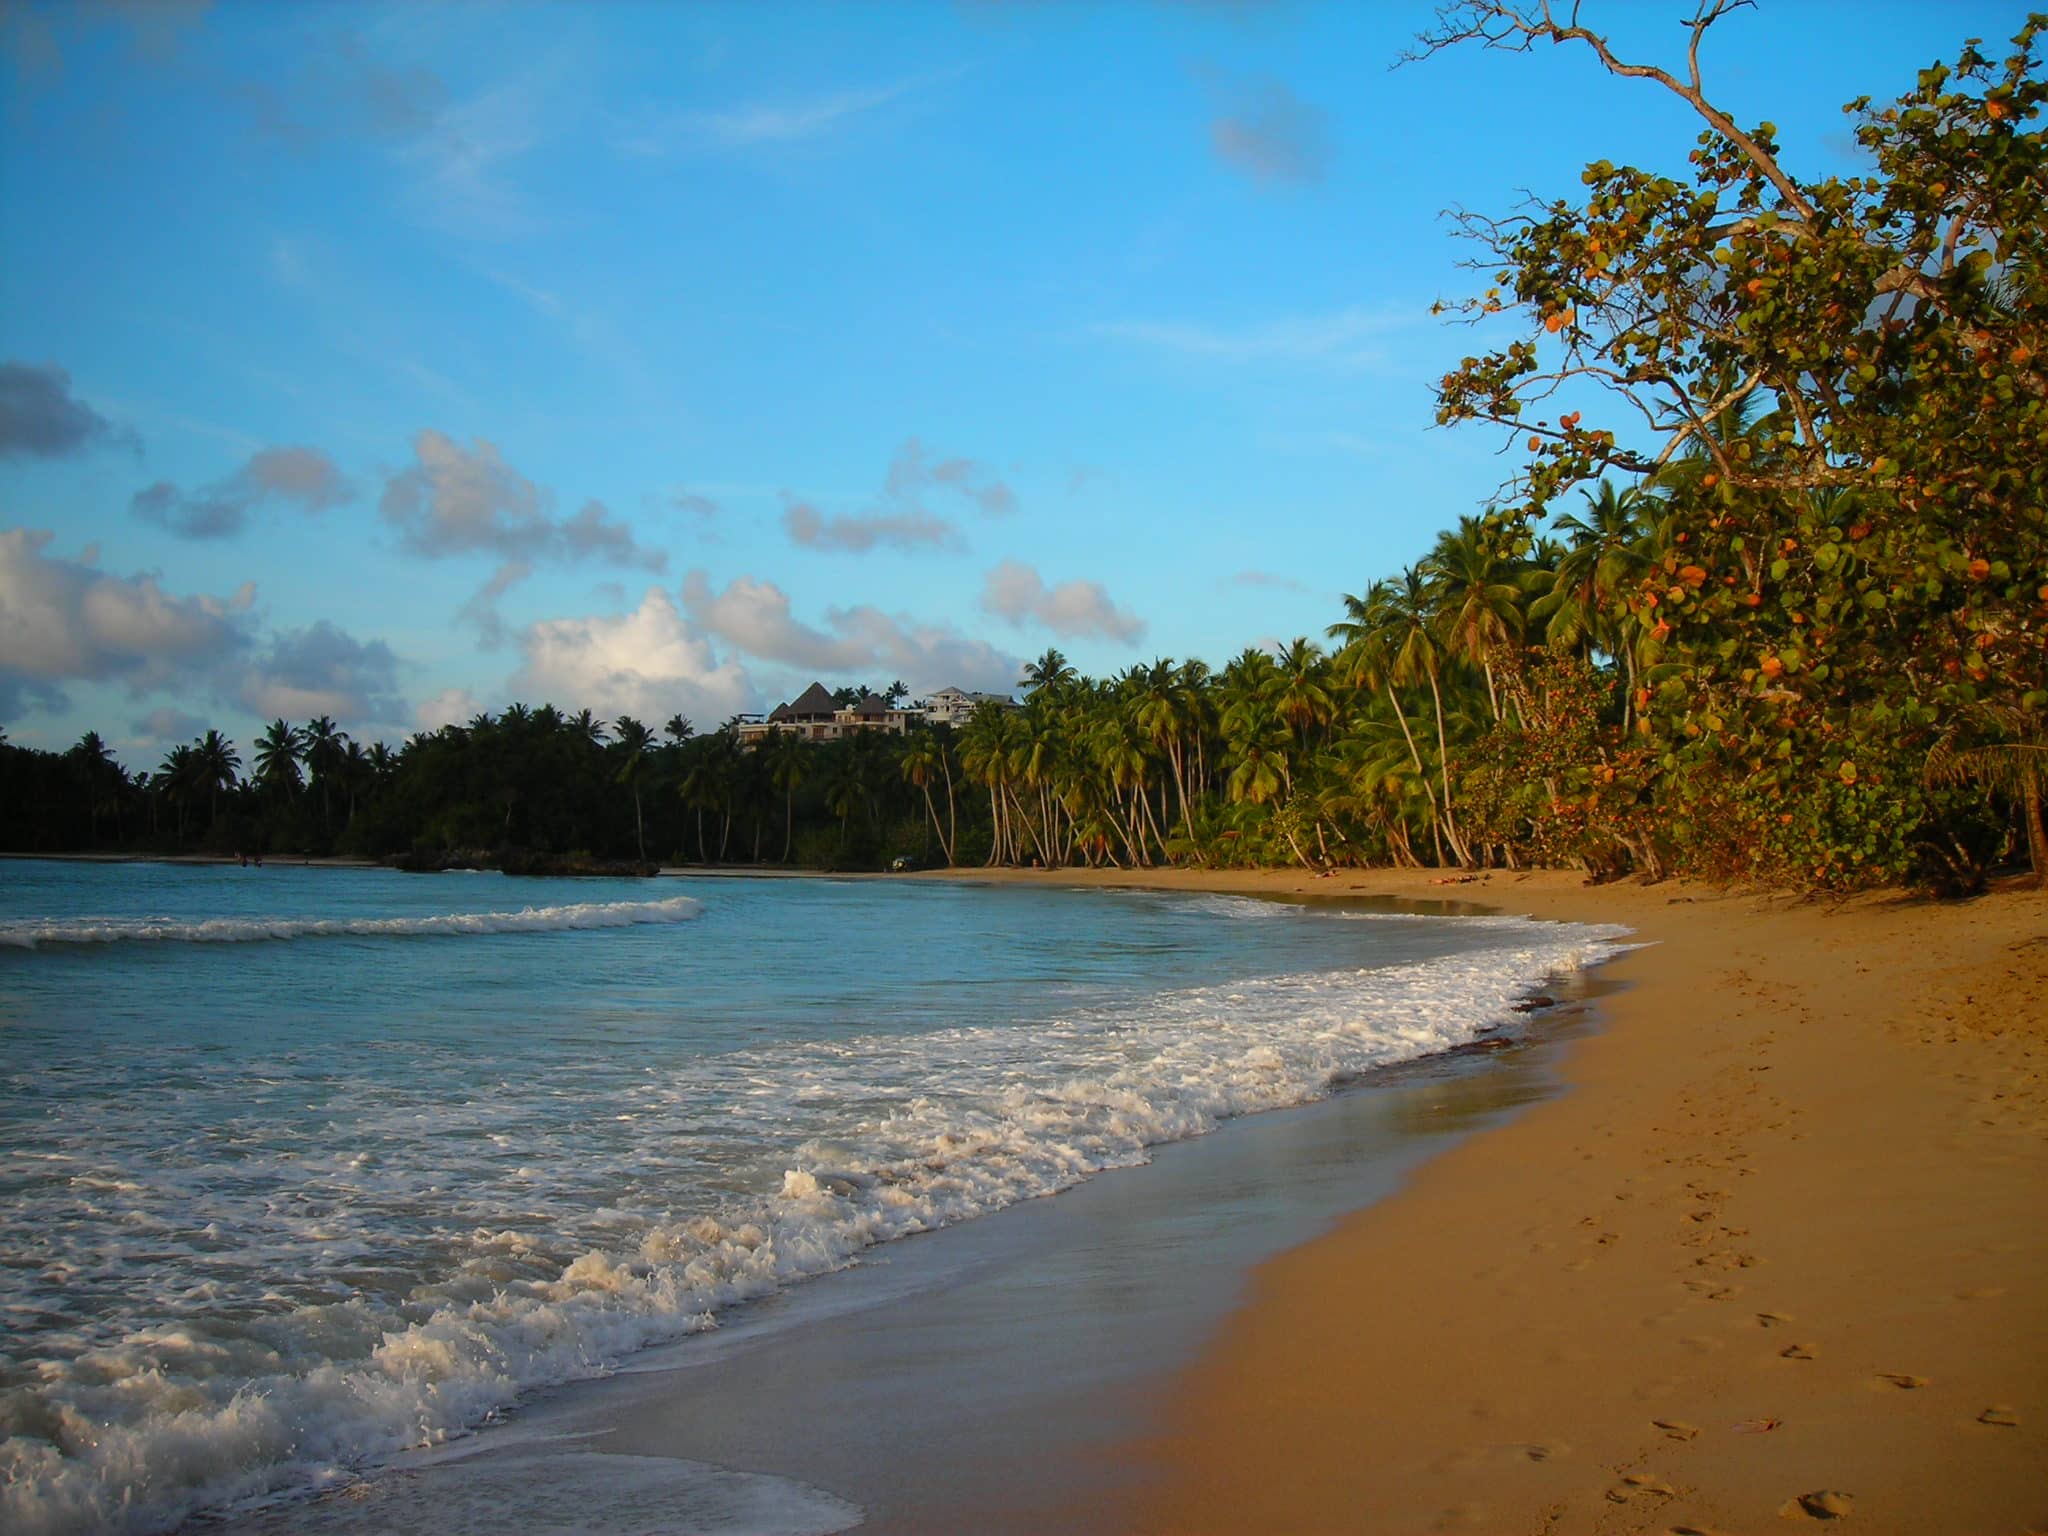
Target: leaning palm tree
<point>923,760</point>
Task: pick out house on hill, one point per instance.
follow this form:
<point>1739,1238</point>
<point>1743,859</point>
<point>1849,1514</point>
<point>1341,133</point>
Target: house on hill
<point>952,706</point>
<point>813,715</point>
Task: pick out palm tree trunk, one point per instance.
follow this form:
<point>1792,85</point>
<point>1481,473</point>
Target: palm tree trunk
<point>1443,763</point>
<point>952,819</point>
<point>788,818</point>
<point>932,807</point>
<point>639,828</point>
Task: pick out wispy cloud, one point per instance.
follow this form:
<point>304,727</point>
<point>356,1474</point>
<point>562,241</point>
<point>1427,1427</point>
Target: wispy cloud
<point>751,124</point>
<point>1343,337</point>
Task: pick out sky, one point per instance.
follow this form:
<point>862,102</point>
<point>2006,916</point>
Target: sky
<point>396,362</point>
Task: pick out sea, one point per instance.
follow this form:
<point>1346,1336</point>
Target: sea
<point>303,1169</point>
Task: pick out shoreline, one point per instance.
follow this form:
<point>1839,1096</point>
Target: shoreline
<point>1777,1252</point>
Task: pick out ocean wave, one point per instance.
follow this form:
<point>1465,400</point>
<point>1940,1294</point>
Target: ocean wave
<point>146,1430</point>
<point>36,932</point>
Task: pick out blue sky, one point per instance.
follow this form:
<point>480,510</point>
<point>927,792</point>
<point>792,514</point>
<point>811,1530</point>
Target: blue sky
<point>394,362</point>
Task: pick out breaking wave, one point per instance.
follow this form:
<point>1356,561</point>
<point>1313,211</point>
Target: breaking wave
<point>36,932</point>
<point>905,1134</point>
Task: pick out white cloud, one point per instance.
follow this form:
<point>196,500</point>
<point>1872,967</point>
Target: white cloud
<point>648,663</point>
<point>755,617</point>
<point>66,621</point>
<point>1016,592</point>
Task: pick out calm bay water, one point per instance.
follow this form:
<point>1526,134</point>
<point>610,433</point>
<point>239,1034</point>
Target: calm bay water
<point>302,1167</point>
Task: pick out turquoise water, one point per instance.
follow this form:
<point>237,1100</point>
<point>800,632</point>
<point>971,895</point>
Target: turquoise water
<point>302,1167</point>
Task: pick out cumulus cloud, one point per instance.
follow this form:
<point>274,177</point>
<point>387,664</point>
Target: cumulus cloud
<point>453,500</point>
<point>806,525</point>
<point>323,670</point>
<point>40,418</point>
<point>1271,135</point>
<point>1016,592</point>
<point>649,663</point>
<point>67,621</point>
<point>301,477</point>
<point>755,617</point>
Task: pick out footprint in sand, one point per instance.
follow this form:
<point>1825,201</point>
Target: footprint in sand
<point>1905,1381</point>
<point>1676,1429</point>
<point>1773,1319</point>
<point>1639,1485</point>
<point>1693,1530</point>
<point>1545,1452</point>
<point>1824,1504</point>
<point>2000,1415</point>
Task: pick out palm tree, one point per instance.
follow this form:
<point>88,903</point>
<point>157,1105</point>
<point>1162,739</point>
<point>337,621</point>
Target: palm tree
<point>1404,634</point>
<point>324,744</point>
<point>588,727</point>
<point>94,766</point>
<point>788,761</point>
<point>215,764</point>
<point>1299,695</point>
<point>278,753</point>
<point>1049,673</point>
<point>923,759</point>
<point>634,742</point>
<point>1478,602</point>
<point>177,780</point>
<point>355,770</point>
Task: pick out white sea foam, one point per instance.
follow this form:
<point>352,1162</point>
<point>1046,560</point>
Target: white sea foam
<point>315,1370</point>
<point>35,932</point>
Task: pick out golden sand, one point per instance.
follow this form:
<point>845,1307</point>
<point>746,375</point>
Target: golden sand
<point>1779,1257</point>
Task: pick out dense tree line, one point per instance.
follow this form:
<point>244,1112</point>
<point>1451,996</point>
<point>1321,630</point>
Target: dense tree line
<point>1793,627</point>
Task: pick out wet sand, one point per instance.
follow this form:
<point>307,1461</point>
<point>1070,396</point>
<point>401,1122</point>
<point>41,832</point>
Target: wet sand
<point>1780,1257</point>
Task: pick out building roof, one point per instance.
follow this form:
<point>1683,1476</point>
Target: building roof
<point>869,704</point>
<point>814,700</point>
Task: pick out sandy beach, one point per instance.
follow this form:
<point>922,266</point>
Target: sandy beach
<point>1777,1256</point>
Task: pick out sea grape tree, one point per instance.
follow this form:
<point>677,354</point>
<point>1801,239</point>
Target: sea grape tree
<point>1836,385</point>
